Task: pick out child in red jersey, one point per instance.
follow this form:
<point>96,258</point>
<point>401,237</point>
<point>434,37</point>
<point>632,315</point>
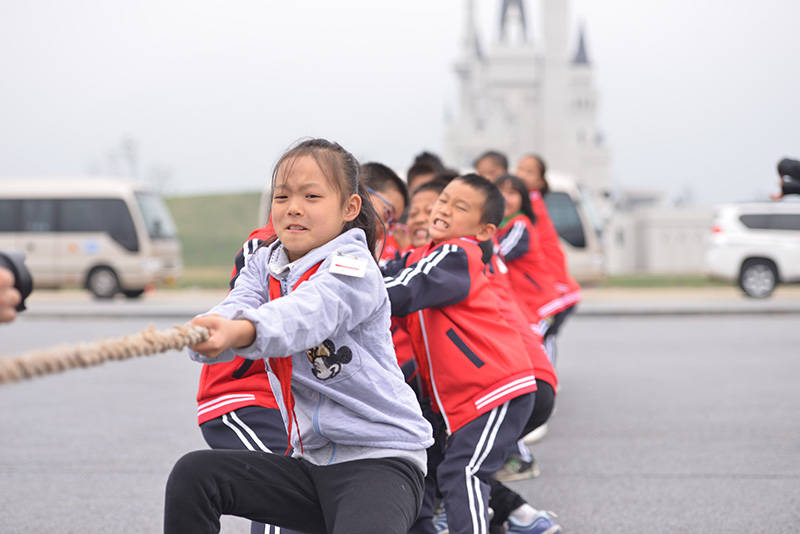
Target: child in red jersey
<point>474,366</point>
<point>422,200</point>
<point>529,272</point>
<point>531,169</point>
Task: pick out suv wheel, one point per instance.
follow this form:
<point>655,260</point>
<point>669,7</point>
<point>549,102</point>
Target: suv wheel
<point>758,278</point>
<point>102,282</point>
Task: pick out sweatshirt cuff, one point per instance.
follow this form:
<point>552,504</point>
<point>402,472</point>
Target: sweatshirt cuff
<point>225,356</point>
<point>255,350</point>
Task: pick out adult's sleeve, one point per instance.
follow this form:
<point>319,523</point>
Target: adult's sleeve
<point>437,280</point>
<point>516,242</point>
<point>789,167</point>
<point>791,186</point>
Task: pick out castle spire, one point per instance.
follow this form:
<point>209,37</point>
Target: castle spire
<point>581,57</point>
<point>521,22</point>
<point>471,43</point>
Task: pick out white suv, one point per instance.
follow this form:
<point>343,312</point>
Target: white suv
<point>757,244</point>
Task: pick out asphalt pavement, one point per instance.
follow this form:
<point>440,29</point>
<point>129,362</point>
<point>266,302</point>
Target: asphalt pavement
<point>679,423</point>
<point>674,424</point>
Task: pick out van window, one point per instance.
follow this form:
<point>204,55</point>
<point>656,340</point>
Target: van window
<point>771,221</point>
<point>9,215</point>
<point>38,215</point>
<point>109,215</point>
<point>156,216</point>
<point>565,218</point>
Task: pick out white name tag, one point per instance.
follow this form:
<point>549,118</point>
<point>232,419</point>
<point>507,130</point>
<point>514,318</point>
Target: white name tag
<point>349,265</point>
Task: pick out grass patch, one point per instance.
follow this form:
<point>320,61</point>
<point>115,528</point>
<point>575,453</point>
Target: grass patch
<point>662,280</point>
<point>208,277</point>
<point>212,228</point>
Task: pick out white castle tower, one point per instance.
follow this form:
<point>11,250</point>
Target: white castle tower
<point>522,95</point>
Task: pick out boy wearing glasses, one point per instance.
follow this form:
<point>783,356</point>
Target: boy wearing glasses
<point>389,197</point>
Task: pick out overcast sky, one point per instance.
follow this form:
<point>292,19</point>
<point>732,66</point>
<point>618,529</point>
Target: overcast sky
<point>702,94</point>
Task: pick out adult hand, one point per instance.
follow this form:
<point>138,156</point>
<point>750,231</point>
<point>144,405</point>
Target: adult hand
<point>224,334</point>
<point>779,194</point>
<point>9,296</point>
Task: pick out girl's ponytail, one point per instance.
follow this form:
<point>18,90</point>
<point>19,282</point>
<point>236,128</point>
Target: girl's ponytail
<point>367,219</point>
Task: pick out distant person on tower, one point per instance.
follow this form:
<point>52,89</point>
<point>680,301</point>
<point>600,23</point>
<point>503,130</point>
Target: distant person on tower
<point>789,172</point>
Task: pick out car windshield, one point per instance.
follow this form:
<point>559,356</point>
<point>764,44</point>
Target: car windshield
<point>565,218</point>
<point>156,216</point>
<point>590,210</point>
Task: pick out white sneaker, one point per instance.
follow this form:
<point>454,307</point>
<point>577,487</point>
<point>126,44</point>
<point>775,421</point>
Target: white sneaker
<point>536,434</point>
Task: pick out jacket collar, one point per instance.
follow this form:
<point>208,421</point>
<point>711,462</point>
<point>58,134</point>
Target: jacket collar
<point>280,267</point>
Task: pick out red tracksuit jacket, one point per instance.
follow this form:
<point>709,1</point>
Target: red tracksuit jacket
<point>498,274</point>
<point>227,386</point>
<point>470,359</point>
<point>531,276</point>
<point>548,237</point>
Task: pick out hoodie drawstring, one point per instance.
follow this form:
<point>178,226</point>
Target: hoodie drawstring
<point>282,367</point>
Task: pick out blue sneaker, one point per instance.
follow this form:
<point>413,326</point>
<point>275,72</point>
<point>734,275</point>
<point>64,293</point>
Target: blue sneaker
<point>440,521</point>
<point>541,524</point>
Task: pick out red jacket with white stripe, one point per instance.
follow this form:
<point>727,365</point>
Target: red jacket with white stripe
<point>498,274</point>
<point>228,386</point>
<point>470,359</point>
<point>548,237</point>
<point>531,276</point>
<point>389,250</point>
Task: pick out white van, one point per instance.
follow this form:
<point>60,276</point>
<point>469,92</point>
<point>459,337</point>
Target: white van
<point>109,236</point>
<point>569,209</point>
<point>756,244</point>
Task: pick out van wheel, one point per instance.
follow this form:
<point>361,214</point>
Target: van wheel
<point>758,278</point>
<point>102,282</point>
<point>133,293</point>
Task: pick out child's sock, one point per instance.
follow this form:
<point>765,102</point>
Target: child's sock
<point>524,514</point>
<point>524,451</point>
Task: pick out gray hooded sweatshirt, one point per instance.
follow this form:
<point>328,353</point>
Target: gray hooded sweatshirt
<point>351,401</point>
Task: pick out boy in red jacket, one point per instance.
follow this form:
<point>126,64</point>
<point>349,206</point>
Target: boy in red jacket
<point>474,366</point>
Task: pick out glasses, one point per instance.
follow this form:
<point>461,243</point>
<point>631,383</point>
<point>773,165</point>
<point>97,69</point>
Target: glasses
<point>388,209</point>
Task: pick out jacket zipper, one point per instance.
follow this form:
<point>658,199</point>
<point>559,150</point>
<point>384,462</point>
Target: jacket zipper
<point>430,372</point>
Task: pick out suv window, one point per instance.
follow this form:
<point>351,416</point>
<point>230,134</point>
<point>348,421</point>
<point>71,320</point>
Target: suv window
<point>771,221</point>
<point>109,215</point>
<point>565,218</point>
<point>786,221</point>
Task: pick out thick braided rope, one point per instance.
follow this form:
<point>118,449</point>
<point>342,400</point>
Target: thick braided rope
<point>61,358</point>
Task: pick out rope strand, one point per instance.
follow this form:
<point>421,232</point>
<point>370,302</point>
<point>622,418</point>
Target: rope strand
<point>64,357</point>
